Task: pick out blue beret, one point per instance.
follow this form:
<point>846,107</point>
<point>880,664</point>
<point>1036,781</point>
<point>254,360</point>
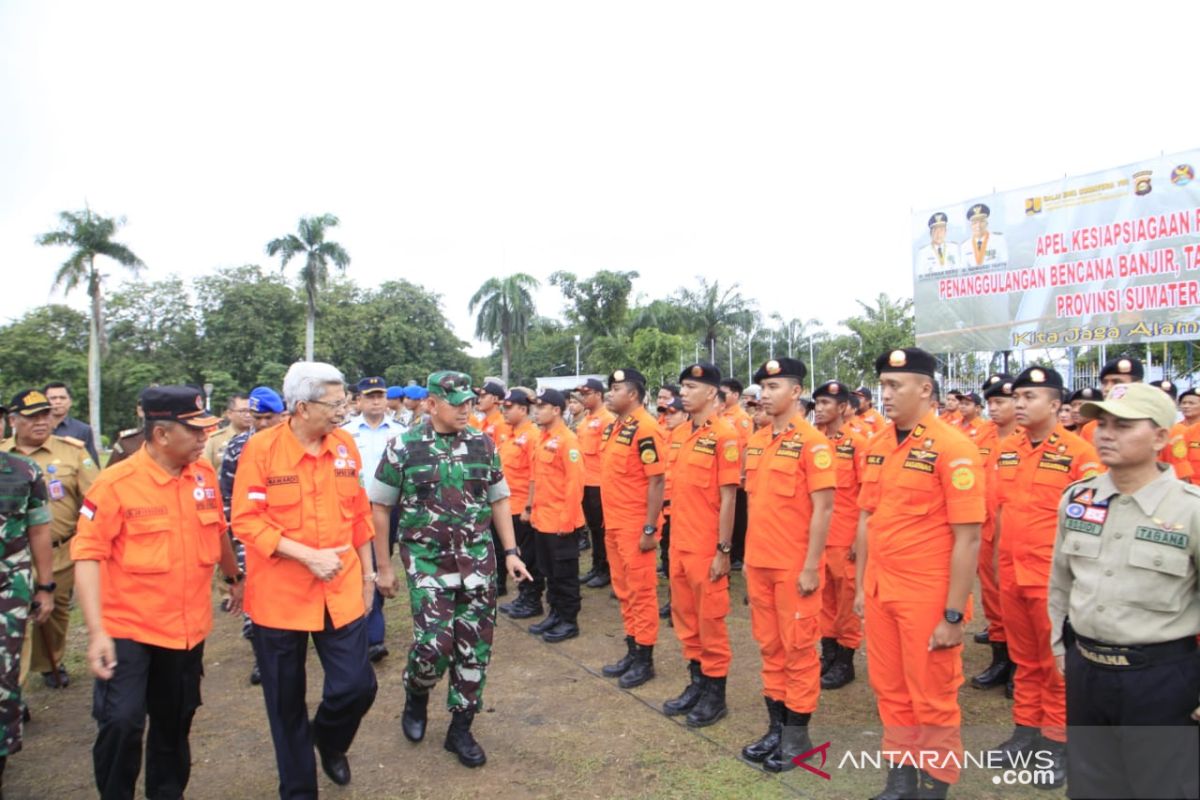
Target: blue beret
<point>416,392</point>
<point>395,392</point>
<point>265,400</point>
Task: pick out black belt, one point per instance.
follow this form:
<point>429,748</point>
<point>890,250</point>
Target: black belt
<point>63,541</point>
<point>1132,656</point>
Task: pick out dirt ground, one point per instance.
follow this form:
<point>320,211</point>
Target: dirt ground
<point>553,727</point>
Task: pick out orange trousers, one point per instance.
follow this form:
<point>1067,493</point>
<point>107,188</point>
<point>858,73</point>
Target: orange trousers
<point>1039,692</point>
<point>838,620</point>
<point>786,627</point>
<point>634,579</point>
<point>698,610</point>
<point>916,689</point>
<point>989,588</point>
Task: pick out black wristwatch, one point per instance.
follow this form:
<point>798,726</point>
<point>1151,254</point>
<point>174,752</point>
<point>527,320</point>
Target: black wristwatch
<point>725,547</point>
<point>241,576</point>
<point>511,551</point>
<point>45,587</point>
<point>952,616</point>
<point>649,530</point>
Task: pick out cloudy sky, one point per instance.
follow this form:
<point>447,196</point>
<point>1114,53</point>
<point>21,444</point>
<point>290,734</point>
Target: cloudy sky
<point>779,145</point>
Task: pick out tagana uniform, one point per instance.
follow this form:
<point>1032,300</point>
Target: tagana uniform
<point>703,459</point>
<point>782,472</point>
<point>986,437</point>
<point>838,620</point>
<point>1030,481</point>
<point>915,491</point>
<point>632,454</point>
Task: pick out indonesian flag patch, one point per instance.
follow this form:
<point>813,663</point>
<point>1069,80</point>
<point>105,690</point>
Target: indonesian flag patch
<point>88,509</point>
<point>257,493</point>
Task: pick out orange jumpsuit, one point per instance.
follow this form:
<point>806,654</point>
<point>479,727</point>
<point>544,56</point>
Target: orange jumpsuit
<point>633,453</point>
<point>874,420</point>
<point>1088,432</point>
<point>986,437</point>
<point>1193,447</point>
<point>701,461</point>
<point>782,472</point>
<point>915,491</point>
<point>1176,452</point>
<point>1031,479</point>
<point>591,437</point>
<point>516,459</point>
<point>838,620</point>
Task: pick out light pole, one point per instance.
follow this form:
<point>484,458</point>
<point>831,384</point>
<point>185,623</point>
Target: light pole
<point>749,355</point>
<point>208,390</point>
<point>577,355</point>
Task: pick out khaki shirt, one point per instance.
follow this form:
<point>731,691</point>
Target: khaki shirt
<point>69,472</point>
<point>214,449</point>
<point>1125,567</point>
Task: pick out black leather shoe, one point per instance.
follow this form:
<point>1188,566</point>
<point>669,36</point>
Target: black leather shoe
<point>901,784</point>
<point>599,581</point>
<point>584,543</point>
<point>506,608</point>
<point>460,741</point>
<point>1058,762</point>
<point>982,637</point>
<point>57,680</point>
<point>336,766</point>
<point>1023,740</point>
<point>622,664</point>
<point>416,714</point>
<point>528,611</point>
<point>255,675</point>
<point>587,576</point>
<point>829,649</point>
<point>642,668</point>
<point>793,741</point>
<point>538,628</point>
<point>664,611</point>
<point>930,788</point>
<point>1008,687</point>
<point>997,672</point>
<point>841,671</point>
<point>377,652</point>
<point>690,695</point>
<point>561,632</point>
<point>711,707</point>
<point>757,751</point>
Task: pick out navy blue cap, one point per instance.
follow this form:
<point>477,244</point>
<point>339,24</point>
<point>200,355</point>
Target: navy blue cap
<point>374,384</point>
<point>552,397</point>
<point>182,404</point>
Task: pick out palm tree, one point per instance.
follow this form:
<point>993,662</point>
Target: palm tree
<point>90,235</point>
<point>713,311</point>
<point>315,272</point>
<point>506,310</point>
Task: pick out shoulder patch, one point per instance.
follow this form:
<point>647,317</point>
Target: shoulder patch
<point>71,440</point>
<point>648,452</point>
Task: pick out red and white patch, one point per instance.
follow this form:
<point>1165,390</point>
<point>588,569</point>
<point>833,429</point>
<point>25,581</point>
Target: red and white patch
<point>88,509</point>
<point>257,493</point>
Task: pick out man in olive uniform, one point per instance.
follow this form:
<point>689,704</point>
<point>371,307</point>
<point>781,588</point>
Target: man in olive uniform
<point>237,412</point>
<point>1124,607</point>
<point>25,538</point>
<point>447,481</point>
<point>69,472</point>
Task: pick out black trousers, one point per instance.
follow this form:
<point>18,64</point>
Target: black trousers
<point>346,697</point>
<point>740,518</point>
<point>558,561</point>
<point>1130,732</point>
<point>664,544</point>
<point>527,544</point>
<point>163,684</point>
<point>593,514</point>
<point>501,574</point>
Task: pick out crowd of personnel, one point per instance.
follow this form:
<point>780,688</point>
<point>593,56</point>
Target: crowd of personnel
<point>1077,513</point>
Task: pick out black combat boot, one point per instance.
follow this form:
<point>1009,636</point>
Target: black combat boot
<point>757,751</point>
<point>1023,740</point>
<point>552,619</point>
<point>930,788</point>
<point>828,653</point>
<point>997,672</point>
<point>642,668</point>
<point>527,607</point>
<point>982,637</point>
<point>460,741</point>
<point>711,707</point>
<point>841,672</point>
<point>690,695</point>
<point>793,741</point>
<point>623,664</point>
<point>1058,762</point>
<point>416,713</point>
<point>901,784</point>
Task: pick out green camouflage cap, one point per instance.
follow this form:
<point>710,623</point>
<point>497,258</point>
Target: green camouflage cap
<point>453,387</point>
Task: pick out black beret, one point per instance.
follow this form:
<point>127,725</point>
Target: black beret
<point>1124,366</point>
<point>1086,393</point>
<point>1039,378</point>
<point>781,368</point>
<point>838,391</point>
<point>998,385</point>
<point>1169,387</point>
<point>701,372</point>
<point>627,376</point>
<point>908,359</point>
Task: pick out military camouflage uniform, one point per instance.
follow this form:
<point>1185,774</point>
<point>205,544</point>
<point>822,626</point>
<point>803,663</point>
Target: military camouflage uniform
<point>225,476</point>
<point>444,486</point>
<point>23,503</point>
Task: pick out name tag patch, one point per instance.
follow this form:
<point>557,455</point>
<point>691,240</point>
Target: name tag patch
<point>1159,536</point>
<point>1082,526</point>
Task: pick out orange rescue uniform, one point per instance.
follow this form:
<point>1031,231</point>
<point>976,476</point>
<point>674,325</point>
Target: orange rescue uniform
<point>702,460</point>
<point>986,437</point>
<point>157,538</point>
<point>557,482</point>
<point>874,421</point>
<point>741,422</point>
<point>838,620</point>
<point>1176,453</point>
<point>633,453</point>
<point>1193,445</point>
<point>915,491</point>
<point>591,439</point>
<point>782,472</point>
<point>1031,479</point>
<point>283,490</point>
<point>516,459</point>
<point>494,426</point>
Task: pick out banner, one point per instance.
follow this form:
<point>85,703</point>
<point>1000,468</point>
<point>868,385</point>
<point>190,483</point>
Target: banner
<point>1107,258</point>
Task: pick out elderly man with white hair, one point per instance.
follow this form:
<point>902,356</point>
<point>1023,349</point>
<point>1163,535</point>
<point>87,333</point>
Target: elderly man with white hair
<point>301,511</point>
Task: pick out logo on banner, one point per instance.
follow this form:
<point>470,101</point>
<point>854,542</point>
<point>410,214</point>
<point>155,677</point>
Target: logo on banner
<point>1182,175</point>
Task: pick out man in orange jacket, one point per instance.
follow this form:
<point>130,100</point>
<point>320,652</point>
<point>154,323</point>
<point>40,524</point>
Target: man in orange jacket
<point>300,509</point>
<point>556,498</point>
<point>151,529</point>
<point>923,494</point>
<point>517,454</point>
<point>592,432</point>
<point>841,629</point>
<point>631,488</point>
<point>739,418</point>
<point>866,414</point>
<point>790,479</point>
<point>1189,406</point>
<point>1176,451</point>
<point>1035,466</point>
<point>705,468</point>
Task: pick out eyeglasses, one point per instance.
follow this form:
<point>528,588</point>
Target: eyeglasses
<point>341,405</point>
